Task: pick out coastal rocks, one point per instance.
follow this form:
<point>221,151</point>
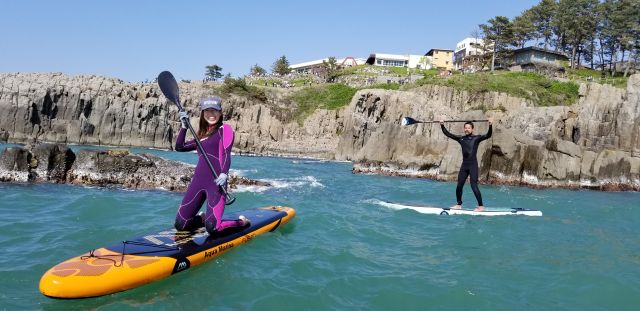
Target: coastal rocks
<point>58,164</point>
<point>592,144</point>
<point>52,162</point>
<point>15,165</point>
<point>96,110</point>
<point>268,129</point>
<point>84,109</point>
<point>135,171</point>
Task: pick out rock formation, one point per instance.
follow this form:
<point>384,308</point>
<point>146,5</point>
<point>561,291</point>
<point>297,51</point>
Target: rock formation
<point>58,164</point>
<point>594,143</point>
<point>103,111</point>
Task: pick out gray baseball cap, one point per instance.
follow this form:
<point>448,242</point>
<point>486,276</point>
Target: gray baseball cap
<point>211,102</point>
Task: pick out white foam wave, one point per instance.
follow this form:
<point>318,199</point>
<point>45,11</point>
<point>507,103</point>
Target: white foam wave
<point>255,189</point>
<point>296,182</point>
<point>242,173</point>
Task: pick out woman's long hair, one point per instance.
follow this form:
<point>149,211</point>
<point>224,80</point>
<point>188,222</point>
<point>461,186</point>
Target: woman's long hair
<point>203,126</point>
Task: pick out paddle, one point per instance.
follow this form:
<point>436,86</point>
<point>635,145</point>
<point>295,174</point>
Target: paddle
<point>169,88</point>
<point>410,121</point>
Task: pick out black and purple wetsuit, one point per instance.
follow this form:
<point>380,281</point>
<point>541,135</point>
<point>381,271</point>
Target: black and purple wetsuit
<point>203,187</point>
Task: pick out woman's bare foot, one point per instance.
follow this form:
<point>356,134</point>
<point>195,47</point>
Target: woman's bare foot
<point>457,206</point>
<point>479,209</point>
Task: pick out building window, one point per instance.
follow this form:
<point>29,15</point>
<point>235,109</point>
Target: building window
<point>394,63</point>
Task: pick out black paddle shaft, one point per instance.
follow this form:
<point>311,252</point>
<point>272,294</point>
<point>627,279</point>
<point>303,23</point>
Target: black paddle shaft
<point>410,121</point>
<point>452,121</point>
<point>169,88</point>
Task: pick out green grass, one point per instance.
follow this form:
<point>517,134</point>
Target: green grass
<point>403,71</point>
<point>360,71</point>
<point>327,96</point>
<point>240,87</point>
<point>537,88</point>
<point>586,75</point>
<point>280,82</point>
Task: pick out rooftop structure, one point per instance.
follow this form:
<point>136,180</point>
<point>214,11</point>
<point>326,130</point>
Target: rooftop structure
<point>399,60</point>
<point>441,58</point>
<point>315,66</point>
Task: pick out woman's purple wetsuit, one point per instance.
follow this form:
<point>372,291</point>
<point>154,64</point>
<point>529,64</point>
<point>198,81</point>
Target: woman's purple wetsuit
<point>203,186</point>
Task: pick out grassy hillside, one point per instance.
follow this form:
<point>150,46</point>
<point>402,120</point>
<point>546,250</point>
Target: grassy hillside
<point>325,96</point>
<point>537,88</point>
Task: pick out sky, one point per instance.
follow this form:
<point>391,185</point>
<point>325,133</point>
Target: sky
<point>134,40</point>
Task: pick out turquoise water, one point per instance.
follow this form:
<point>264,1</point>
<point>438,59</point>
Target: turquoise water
<point>343,250</point>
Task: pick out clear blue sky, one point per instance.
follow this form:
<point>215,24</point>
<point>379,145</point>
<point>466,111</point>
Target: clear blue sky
<point>134,40</point>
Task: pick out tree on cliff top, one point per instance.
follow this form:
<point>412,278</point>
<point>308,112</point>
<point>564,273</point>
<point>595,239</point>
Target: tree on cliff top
<point>281,66</point>
<point>543,14</point>
<point>575,23</point>
<point>214,72</point>
<point>330,69</point>
<point>499,31</point>
<point>523,28</point>
<point>257,71</point>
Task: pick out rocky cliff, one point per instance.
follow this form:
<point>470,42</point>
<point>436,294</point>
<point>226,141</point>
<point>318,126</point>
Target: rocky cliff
<point>105,111</point>
<point>594,143</point>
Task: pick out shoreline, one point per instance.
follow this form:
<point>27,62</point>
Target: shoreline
<point>609,186</point>
<point>431,174</point>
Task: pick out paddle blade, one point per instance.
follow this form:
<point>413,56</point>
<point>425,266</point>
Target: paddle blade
<point>408,121</point>
<point>169,87</point>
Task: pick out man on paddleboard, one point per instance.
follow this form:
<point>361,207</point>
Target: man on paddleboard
<point>469,167</point>
<point>216,139</point>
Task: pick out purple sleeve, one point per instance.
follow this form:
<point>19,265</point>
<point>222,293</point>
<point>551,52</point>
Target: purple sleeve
<point>180,145</point>
<point>225,147</point>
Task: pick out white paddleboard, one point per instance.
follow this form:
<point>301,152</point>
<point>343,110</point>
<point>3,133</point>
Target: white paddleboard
<point>452,211</point>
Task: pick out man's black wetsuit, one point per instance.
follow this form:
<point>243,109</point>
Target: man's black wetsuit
<point>469,144</point>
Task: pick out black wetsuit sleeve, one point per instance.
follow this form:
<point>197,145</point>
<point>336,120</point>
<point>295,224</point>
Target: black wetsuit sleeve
<point>448,134</point>
<point>488,134</point>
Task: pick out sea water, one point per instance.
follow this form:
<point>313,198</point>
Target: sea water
<point>343,250</point>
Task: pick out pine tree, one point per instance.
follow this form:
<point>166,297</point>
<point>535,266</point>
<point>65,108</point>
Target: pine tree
<point>575,20</point>
<point>543,14</point>
<point>213,73</point>
<point>330,69</point>
<point>499,32</point>
<point>523,28</point>
<point>257,71</point>
<point>281,66</point>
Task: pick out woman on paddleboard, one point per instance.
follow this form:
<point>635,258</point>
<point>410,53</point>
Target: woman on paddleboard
<point>469,167</point>
<point>216,139</point>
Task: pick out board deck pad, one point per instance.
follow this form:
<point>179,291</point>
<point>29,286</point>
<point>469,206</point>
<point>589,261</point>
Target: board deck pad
<point>174,243</point>
<point>141,260</point>
<point>451,211</point>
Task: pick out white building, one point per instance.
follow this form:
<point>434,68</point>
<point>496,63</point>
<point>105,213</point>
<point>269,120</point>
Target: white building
<point>466,52</point>
<point>399,60</point>
<point>314,66</point>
